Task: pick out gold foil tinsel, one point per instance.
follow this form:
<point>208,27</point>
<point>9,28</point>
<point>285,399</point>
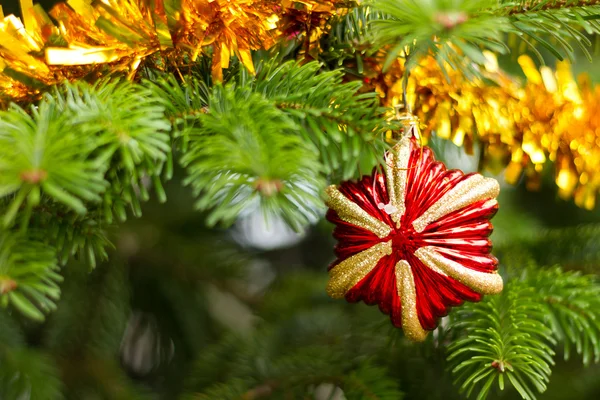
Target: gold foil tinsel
<point>521,126</point>
<point>110,35</point>
<point>308,20</point>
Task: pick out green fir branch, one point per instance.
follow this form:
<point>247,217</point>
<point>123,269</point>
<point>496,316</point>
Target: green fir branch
<point>454,32</point>
<point>42,153</point>
<point>572,303</point>
<point>129,122</point>
<point>457,32</point>
<point>346,126</point>
<point>510,338</point>
<point>184,102</point>
<point>503,340</point>
<point>246,153</point>
<point>76,162</point>
<point>352,27</point>
<point>572,247</point>
<point>85,238</point>
<point>527,6</point>
<point>318,126</point>
<point>28,374</point>
<point>370,382</point>
<point>350,39</point>
<point>71,234</point>
<point>563,23</point>
<point>28,275</point>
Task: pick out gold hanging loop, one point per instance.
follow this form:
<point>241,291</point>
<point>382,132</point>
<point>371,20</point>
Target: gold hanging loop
<point>409,129</point>
<point>409,125</point>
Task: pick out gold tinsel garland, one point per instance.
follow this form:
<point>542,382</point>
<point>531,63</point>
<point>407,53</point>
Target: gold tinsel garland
<point>96,38</point>
<point>520,126</point>
<point>113,35</point>
<point>309,20</point>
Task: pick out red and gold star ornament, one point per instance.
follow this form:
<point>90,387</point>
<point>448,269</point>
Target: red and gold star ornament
<point>413,238</point>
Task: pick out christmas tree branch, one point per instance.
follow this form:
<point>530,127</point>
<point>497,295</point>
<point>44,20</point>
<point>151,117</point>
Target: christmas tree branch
<point>573,304</point>
<point>260,391</point>
<point>236,160</point>
<point>87,153</point>
<point>341,122</point>
<point>69,168</point>
<point>512,336</point>
<point>28,275</point>
<point>545,5</point>
<point>503,338</point>
<point>575,248</point>
<point>457,34</point>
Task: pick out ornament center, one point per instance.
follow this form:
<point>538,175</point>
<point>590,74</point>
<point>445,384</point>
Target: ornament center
<point>404,241</point>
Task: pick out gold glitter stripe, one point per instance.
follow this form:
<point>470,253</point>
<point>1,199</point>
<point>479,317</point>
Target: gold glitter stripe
<point>352,213</point>
<point>474,188</point>
<point>482,282</point>
<point>349,272</point>
<point>405,283</point>
<point>396,172</point>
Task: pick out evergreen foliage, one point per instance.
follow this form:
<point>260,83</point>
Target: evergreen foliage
<point>24,373</point>
<point>513,336</point>
<point>28,275</point>
<point>457,32</point>
<point>508,342</point>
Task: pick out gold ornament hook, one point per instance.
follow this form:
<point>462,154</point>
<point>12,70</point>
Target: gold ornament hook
<point>410,128</point>
<point>410,125</point>
<point>410,122</point>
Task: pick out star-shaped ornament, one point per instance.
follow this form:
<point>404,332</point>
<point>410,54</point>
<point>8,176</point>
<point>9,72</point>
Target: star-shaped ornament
<point>414,238</point>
